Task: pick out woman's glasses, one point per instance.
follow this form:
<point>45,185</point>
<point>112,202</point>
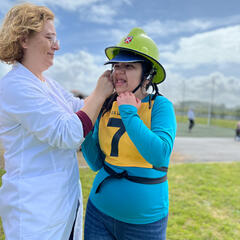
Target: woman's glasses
<point>53,40</point>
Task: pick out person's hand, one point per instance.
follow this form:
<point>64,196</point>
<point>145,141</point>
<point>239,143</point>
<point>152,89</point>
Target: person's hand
<point>105,84</point>
<point>94,102</point>
<point>129,99</point>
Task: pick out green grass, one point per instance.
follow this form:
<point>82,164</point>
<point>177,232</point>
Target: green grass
<point>204,201</point>
<point>201,130</point>
<point>87,177</point>
<point>223,123</point>
<point>217,128</point>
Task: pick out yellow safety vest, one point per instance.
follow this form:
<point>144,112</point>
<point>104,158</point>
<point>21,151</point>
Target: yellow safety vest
<point>115,142</point>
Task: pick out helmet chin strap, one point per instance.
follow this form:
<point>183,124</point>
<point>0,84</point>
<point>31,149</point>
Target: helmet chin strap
<point>148,78</point>
<point>139,85</point>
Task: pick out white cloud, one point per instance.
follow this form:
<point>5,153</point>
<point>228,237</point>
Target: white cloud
<point>127,23</point>
<point>128,2</point>
<point>113,35</point>
<point>75,5</point>
<point>231,20</point>
<point>185,56</point>
<point>158,28</point>
<point>70,5</point>
<point>100,14</point>
<point>215,47</point>
<point>105,12</point>
<point>78,71</point>
<point>97,11</point>
<point>225,89</point>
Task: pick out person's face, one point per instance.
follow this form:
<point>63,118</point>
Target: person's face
<point>126,76</point>
<point>41,46</point>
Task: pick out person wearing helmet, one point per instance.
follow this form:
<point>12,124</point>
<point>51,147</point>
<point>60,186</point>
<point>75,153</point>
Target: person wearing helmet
<point>130,147</point>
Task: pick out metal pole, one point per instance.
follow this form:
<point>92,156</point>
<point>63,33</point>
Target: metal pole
<point>210,106</point>
<point>183,99</point>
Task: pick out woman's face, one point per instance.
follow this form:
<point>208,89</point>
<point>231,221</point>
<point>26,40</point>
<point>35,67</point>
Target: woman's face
<point>39,48</point>
<point>126,76</point>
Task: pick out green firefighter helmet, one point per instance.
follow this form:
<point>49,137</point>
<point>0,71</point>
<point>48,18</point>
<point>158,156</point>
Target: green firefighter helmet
<point>139,43</point>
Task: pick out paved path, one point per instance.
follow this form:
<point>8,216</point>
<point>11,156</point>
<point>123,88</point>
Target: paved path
<point>189,149</point>
<point>193,150</point>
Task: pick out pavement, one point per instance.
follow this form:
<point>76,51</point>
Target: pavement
<point>199,150</point>
<point>193,150</point>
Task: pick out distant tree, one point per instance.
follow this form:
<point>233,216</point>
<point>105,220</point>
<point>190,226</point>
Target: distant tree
<point>238,112</point>
<point>76,93</point>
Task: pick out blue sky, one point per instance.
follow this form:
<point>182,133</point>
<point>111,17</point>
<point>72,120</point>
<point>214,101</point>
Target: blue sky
<point>199,43</point>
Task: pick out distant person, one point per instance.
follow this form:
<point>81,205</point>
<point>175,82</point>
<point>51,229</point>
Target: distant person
<point>191,119</point>
<point>237,137</point>
<point>41,127</point>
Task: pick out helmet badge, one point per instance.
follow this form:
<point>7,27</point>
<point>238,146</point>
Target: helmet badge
<point>128,39</point>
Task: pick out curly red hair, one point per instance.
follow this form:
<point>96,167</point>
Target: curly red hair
<point>21,21</point>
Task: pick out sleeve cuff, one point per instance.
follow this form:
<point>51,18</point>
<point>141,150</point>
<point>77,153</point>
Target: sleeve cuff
<point>86,122</point>
<point>127,109</point>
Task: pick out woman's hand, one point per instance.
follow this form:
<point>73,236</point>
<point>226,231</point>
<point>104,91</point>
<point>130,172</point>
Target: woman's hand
<point>129,99</point>
<point>94,102</point>
<point>105,84</point>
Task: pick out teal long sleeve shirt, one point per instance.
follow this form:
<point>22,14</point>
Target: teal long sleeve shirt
<point>128,201</point>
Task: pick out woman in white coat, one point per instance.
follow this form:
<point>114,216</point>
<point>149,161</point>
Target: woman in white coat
<point>41,127</point>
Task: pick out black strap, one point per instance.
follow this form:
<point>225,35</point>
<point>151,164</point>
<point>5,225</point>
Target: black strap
<point>163,169</point>
<point>136,88</point>
<point>124,174</point>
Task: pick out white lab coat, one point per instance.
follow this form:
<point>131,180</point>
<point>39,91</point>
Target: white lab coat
<point>40,134</point>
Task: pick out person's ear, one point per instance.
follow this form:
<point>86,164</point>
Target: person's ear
<point>146,83</point>
<point>24,41</point>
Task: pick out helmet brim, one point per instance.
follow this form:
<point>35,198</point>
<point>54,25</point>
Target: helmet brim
<point>160,76</point>
<point>126,57</point>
